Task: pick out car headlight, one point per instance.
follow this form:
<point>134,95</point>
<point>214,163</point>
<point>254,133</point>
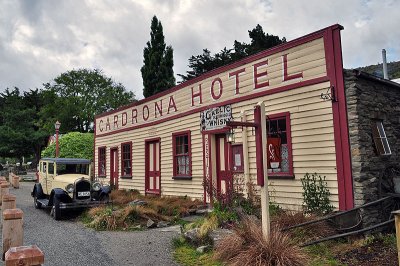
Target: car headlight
<point>69,188</point>
<point>96,186</point>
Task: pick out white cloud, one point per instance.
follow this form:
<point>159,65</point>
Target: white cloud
<point>41,39</point>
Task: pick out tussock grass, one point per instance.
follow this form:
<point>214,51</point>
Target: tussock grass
<point>247,246</point>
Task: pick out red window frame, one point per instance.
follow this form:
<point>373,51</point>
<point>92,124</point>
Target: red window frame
<point>175,155</point>
<point>277,116</point>
<point>123,160</point>
<point>102,157</point>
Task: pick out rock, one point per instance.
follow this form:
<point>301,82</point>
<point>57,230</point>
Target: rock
<point>202,249</point>
<point>162,224</point>
<point>219,233</point>
<point>137,202</point>
<point>151,223</point>
<point>192,211</point>
<point>192,235</point>
<point>204,211</point>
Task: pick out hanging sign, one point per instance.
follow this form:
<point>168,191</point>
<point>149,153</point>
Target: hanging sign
<point>215,118</point>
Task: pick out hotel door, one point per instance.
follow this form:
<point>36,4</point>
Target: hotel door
<point>114,168</point>
<point>224,175</point>
<point>153,177</point>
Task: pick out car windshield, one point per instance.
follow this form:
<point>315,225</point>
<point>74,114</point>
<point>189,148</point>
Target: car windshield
<point>63,169</point>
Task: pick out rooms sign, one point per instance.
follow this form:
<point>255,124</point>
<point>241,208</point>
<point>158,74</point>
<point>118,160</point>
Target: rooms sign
<point>215,118</point>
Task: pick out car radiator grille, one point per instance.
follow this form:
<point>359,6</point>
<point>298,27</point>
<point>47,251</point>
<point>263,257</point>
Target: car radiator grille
<point>82,186</point>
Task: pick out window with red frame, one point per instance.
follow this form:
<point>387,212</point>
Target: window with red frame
<point>182,154</point>
<point>279,147</point>
<point>126,159</point>
<point>102,161</point>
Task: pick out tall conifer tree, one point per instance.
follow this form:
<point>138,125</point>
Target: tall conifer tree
<point>157,72</point>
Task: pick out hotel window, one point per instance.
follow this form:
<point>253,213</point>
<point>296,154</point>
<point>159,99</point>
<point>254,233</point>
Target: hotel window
<point>102,161</point>
<point>181,154</point>
<point>380,139</point>
<point>279,145</point>
<point>126,159</point>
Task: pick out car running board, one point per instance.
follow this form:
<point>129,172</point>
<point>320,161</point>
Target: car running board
<point>44,202</point>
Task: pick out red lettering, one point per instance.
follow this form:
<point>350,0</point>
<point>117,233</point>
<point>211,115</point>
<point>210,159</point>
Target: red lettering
<point>145,117</point>
<point>100,128</point>
<point>115,121</point>
<point>124,118</point>
<point>259,75</point>
<point>172,104</point>
<point>195,95</point>
<point>213,95</point>
<point>134,115</point>
<point>108,124</point>
<point>157,108</point>
<point>286,76</point>
<point>236,75</point>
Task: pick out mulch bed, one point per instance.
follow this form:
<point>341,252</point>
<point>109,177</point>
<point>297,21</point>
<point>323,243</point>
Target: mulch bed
<point>376,253</point>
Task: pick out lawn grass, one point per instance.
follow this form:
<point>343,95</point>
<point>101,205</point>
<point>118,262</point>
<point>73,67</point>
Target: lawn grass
<point>187,255</point>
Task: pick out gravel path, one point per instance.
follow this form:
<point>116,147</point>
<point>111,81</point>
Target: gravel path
<point>68,242</point>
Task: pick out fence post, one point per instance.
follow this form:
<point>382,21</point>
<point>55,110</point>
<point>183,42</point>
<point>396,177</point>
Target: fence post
<point>4,190</point>
<point>25,255</point>
<point>8,202</point>
<point>397,224</point>
<point>15,181</point>
<point>13,235</point>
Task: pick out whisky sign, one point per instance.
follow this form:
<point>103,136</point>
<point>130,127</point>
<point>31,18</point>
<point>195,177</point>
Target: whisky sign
<point>215,118</point>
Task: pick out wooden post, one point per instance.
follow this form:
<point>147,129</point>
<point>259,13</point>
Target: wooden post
<point>13,234</point>
<point>4,190</point>
<point>25,255</point>
<point>8,202</point>
<point>15,181</point>
<point>397,224</point>
<point>264,189</point>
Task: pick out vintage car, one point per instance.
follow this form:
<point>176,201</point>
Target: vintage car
<point>65,183</point>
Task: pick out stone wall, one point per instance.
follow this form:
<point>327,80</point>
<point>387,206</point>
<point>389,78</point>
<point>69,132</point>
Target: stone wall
<point>369,98</point>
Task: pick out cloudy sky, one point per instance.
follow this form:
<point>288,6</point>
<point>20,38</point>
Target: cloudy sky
<point>40,39</point>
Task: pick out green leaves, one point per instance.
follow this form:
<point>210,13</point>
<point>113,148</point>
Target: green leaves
<point>316,194</point>
<point>157,71</point>
<point>72,145</point>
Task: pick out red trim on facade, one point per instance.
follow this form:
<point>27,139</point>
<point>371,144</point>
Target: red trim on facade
<point>289,142</point>
<point>98,161</point>
<point>114,179</point>
<point>334,67</point>
<point>178,134</point>
<point>244,61</point>
<point>122,158</point>
<point>259,146</point>
<point>237,148</point>
<point>231,101</point>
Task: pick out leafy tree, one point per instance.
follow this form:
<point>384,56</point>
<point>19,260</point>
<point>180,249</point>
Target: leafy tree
<point>20,134</point>
<point>205,62</point>
<point>157,72</point>
<point>72,145</point>
<point>76,96</point>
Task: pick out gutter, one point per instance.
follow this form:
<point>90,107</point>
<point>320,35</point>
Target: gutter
<point>367,76</point>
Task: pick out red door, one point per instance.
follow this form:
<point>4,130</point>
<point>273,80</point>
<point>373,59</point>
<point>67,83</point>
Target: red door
<point>114,168</point>
<point>153,177</point>
<point>224,175</point>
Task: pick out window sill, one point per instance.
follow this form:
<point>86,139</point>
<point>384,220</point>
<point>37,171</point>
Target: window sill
<point>126,177</point>
<point>277,176</point>
<point>182,177</point>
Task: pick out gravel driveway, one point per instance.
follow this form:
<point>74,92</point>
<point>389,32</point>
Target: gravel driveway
<point>68,242</point>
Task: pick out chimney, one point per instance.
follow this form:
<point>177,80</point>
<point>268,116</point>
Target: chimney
<point>385,72</point>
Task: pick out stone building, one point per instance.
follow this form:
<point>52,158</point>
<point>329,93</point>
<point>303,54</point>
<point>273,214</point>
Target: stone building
<point>373,108</point>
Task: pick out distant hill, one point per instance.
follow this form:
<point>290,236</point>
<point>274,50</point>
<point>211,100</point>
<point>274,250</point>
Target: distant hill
<point>377,70</point>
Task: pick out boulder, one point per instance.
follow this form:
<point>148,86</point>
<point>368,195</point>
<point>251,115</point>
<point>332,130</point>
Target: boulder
<point>137,202</point>
<point>162,224</point>
<point>203,249</point>
<point>219,233</point>
<point>192,235</point>
<point>151,223</point>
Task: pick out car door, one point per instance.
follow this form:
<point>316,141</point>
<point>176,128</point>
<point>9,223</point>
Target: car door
<point>49,177</point>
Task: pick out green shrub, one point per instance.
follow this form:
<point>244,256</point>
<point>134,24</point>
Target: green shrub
<point>72,145</point>
<point>316,194</point>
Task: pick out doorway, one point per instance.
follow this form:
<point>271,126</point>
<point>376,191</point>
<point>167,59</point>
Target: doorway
<point>224,175</point>
<point>114,168</point>
<point>153,176</point>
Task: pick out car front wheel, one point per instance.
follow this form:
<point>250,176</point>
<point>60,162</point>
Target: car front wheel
<point>56,211</point>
